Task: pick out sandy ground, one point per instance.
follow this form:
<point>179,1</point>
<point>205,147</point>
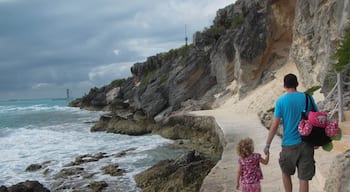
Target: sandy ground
<point>238,119</point>
<point>265,95</point>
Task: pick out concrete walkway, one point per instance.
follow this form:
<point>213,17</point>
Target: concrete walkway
<point>236,126</point>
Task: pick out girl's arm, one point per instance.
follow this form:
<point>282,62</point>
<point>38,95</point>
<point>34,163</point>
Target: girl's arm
<point>238,176</point>
<point>265,160</point>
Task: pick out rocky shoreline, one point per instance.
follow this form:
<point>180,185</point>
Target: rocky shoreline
<point>199,135</point>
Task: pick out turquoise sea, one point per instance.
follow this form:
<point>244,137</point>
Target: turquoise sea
<point>46,130</point>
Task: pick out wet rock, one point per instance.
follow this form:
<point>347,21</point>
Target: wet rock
<point>65,173</point>
<point>113,170</point>
<point>87,158</point>
<point>186,173</point>
<point>97,186</point>
<point>33,167</point>
<point>27,186</point>
<point>37,166</point>
<point>121,125</point>
<point>123,153</point>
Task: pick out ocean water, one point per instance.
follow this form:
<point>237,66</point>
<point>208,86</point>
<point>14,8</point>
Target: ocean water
<point>45,130</point>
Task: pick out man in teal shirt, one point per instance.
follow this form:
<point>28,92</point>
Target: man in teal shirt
<point>295,153</point>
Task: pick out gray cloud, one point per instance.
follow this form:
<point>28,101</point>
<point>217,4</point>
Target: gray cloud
<point>48,46</point>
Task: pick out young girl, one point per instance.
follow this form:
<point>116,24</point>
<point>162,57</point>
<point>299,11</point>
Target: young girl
<point>249,172</point>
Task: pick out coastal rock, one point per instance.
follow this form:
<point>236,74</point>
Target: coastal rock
<point>185,173</point>
<point>98,98</point>
<point>76,176</point>
<point>87,158</point>
<point>202,132</point>
<point>71,178</point>
<point>33,167</point>
<point>113,170</point>
<point>117,124</point>
<point>27,186</point>
<point>37,166</point>
<point>67,172</point>
<point>97,186</point>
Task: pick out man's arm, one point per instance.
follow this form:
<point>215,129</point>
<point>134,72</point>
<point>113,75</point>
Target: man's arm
<point>272,133</point>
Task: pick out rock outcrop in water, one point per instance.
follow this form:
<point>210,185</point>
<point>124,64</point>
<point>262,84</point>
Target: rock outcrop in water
<point>27,186</point>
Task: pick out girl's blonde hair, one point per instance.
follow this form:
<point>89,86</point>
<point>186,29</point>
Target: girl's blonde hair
<point>245,147</point>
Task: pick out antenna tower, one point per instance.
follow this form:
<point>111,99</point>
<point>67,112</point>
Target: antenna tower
<point>186,35</point>
<point>67,94</point>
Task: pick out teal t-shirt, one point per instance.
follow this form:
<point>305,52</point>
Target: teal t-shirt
<point>289,107</point>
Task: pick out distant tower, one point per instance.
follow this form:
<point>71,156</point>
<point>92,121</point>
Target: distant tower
<point>186,35</point>
<point>67,94</point>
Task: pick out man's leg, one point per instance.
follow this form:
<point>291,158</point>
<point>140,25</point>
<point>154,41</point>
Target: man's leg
<point>287,182</point>
<point>303,185</point>
<point>306,167</point>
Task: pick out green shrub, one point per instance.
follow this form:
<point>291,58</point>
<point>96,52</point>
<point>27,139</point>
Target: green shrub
<point>237,21</point>
<point>149,76</point>
<point>163,79</point>
<point>342,54</point>
<point>183,51</point>
<point>311,90</point>
<point>117,82</point>
<point>213,33</point>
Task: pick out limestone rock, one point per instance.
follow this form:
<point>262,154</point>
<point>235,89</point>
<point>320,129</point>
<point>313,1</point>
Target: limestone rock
<point>318,28</point>
<point>339,174</point>
<point>117,124</point>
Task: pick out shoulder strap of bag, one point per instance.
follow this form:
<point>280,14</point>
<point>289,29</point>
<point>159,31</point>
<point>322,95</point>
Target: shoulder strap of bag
<point>307,102</point>
<point>307,97</point>
<point>303,113</point>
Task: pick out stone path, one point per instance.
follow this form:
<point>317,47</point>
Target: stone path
<point>236,126</point>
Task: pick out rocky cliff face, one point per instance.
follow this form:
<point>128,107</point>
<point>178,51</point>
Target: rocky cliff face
<point>316,34</point>
<point>247,42</point>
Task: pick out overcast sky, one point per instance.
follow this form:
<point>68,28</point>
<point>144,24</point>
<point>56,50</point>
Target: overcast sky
<point>47,46</point>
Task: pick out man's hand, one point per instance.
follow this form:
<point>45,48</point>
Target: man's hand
<point>267,149</point>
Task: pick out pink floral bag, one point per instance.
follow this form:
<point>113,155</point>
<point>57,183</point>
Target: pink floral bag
<point>332,129</point>
<point>312,126</point>
<point>304,127</point>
